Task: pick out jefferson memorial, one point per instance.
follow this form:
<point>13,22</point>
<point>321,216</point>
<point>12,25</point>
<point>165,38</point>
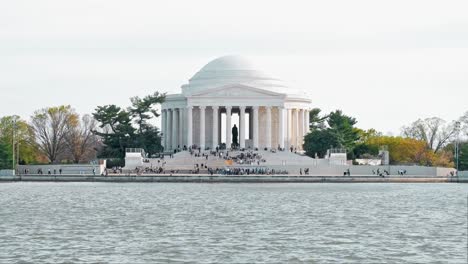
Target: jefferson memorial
<point>231,90</point>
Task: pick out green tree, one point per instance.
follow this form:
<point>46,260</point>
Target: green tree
<point>318,142</point>
<point>24,139</point>
<point>338,131</point>
<point>142,111</point>
<point>317,121</point>
<point>116,130</point>
<point>463,156</point>
<point>342,128</point>
<point>5,156</point>
<point>363,150</point>
<point>122,128</point>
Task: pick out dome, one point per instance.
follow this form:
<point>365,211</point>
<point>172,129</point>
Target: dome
<point>228,70</point>
<point>228,63</point>
<point>228,67</point>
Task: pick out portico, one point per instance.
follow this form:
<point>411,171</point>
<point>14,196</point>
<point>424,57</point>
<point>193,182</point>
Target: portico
<point>229,86</point>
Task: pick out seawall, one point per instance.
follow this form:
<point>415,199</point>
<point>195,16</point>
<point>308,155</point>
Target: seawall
<point>229,178</point>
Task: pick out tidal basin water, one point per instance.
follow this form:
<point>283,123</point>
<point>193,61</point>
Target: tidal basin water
<point>232,223</point>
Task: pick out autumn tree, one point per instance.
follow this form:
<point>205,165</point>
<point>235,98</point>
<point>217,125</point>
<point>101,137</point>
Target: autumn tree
<point>50,127</point>
<point>80,141</point>
<point>434,131</point>
<point>409,151</point>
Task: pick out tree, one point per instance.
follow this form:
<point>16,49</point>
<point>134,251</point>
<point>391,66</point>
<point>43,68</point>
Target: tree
<point>365,135</point>
<point>49,126</point>
<point>6,159</point>
<point>463,156</point>
<point>363,150</point>
<point>24,139</point>
<point>410,151</point>
<point>142,109</point>
<point>338,131</point>
<point>464,122</point>
<point>318,141</point>
<point>434,131</point>
<point>116,130</point>
<point>121,129</point>
<point>80,141</point>
<point>316,120</point>
<point>342,128</point>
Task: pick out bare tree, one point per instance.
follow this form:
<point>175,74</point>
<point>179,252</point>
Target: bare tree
<point>464,122</point>
<point>80,141</point>
<point>49,126</point>
<point>436,132</point>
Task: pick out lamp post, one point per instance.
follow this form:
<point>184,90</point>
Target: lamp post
<point>17,153</point>
<point>457,145</point>
<point>13,131</point>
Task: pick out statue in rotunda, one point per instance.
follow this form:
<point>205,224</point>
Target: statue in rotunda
<point>235,134</point>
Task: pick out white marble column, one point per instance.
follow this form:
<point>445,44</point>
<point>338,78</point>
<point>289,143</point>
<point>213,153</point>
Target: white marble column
<point>281,114</point>
<point>189,126</point>
<point>163,127</point>
<point>228,127</point>
<point>306,121</point>
<point>169,129</point>
<point>300,128</point>
<point>202,127</point>
<point>181,127</point>
<point>175,127</point>
<point>295,126</point>
<point>268,127</point>
<point>242,127</point>
<point>289,128</point>
<point>255,127</point>
<point>215,127</point>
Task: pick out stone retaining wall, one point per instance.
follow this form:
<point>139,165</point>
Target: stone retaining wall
<point>225,179</point>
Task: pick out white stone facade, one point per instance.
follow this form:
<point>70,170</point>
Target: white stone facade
<point>227,85</point>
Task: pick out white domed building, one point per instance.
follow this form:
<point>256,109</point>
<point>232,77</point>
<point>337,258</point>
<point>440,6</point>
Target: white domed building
<point>231,90</point>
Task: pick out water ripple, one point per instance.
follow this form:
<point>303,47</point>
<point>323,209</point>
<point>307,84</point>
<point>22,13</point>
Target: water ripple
<point>232,223</point>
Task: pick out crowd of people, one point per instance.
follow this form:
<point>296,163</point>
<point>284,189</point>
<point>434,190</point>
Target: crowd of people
<point>249,158</point>
<point>249,171</point>
<point>383,173</point>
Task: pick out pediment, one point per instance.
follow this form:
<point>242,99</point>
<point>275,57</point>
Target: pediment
<point>236,90</point>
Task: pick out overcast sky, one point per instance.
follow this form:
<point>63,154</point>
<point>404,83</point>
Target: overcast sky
<point>386,63</point>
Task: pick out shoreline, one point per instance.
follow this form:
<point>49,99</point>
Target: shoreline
<point>204,178</point>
